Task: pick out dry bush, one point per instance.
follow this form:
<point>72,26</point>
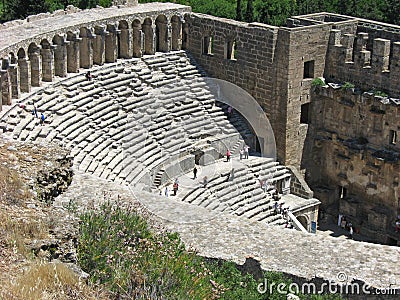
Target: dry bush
<point>15,231</point>
<point>49,281</point>
<point>13,191</point>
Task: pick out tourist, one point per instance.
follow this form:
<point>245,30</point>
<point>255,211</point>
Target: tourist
<point>88,76</point>
<point>276,208</point>
<point>230,112</point>
<point>276,195</point>
<point>241,152</point>
<point>175,187</point>
<point>42,118</point>
<point>205,181</point>
<point>166,191</point>
<point>34,111</point>
<point>194,172</point>
<point>351,232</point>
<point>343,222</point>
<point>246,151</point>
<point>398,225</point>
<point>228,155</point>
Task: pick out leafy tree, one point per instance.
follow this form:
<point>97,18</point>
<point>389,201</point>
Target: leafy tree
<point>274,12</point>
<point>249,11</point>
<point>239,10</point>
<point>20,9</point>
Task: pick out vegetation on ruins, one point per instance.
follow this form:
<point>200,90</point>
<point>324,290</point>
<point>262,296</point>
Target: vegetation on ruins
<point>318,82</point>
<point>347,85</point>
<point>273,12</point>
<point>121,252</point>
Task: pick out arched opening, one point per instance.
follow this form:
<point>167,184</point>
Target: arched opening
<point>60,56</point>
<point>36,64</point>
<point>303,221</point>
<point>241,101</point>
<point>137,37</point>
<point>162,34</point>
<point>47,61</point>
<point>148,36</point>
<point>176,34</point>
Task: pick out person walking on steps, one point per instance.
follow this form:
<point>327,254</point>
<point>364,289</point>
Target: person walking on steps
<point>194,172</point>
<point>228,155</point>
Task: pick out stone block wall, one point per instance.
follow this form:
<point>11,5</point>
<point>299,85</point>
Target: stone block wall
<point>355,151</point>
<point>268,63</point>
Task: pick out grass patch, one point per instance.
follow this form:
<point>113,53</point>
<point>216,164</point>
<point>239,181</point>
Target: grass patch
<point>13,191</point>
<point>50,281</point>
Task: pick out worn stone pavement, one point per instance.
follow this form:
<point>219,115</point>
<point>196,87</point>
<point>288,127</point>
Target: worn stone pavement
<point>220,235</point>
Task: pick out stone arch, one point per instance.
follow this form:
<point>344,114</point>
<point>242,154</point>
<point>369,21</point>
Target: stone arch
<point>148,33</point>
<point>137,39</point>
<point>303,221</point>
<point>73,52</point>
<point>248,107</point>
<point>111,43</point>
<point>85,48</point>
<point>21,53</point>
<point>24,71</point>
<point>176,33</point>
<point>36,64</point>
<point>125,40</point>
<point>60,55</point>
<point>162,29</point>
<point>47,61</point>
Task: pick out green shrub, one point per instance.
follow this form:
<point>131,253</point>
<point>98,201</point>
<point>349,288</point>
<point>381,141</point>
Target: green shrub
<point>347,85</point>
<point>121,253</point>
<point>317,82</point>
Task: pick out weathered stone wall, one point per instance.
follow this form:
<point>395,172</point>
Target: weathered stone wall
<point>269,63</point>
<point>368,56</point>
<point>353,147</point>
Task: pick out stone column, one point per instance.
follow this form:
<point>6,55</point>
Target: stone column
<point>73,53</point>
<point>24,75</point>
<point>13,73</point>
<point>47,64</point>
<point>137,42</point>
<point>348,43</point>
<point>60,58</point>
<point>99,45</point>
<point>5,83</point>
<point>126,43</point>
<point>185,36</point>
<point>36,67</point>
<point>86,50</point>
<point>112,45</point>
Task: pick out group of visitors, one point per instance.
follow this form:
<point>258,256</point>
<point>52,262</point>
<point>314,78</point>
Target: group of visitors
<point>244,153</point>
<point>35,114</point>
<point>346,224</point>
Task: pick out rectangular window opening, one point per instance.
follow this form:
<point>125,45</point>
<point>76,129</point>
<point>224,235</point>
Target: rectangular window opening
<point>231,50</point>
<point>304,115</point>
<point>308,69</point>
<point>208,44</point>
